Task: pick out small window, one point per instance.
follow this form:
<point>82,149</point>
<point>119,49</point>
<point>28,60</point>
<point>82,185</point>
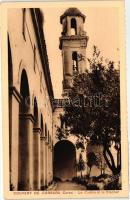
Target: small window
<point>24,21</point>
<point>73,26</point>
<point>75,61</point>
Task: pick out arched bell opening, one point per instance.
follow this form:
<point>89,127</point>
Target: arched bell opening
<point>73,26</point>
<point>75,61</point>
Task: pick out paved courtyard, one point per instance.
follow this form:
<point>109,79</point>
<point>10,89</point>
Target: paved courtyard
<point>69,186</point>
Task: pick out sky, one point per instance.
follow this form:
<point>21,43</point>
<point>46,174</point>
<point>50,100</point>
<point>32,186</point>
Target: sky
<point>101,25</point>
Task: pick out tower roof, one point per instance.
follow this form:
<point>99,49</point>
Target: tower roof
<point>72,12</point>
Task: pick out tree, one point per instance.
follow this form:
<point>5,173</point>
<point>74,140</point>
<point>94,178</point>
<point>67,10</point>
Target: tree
<point>101,162</point>
<point>94,111</point>
<point>92,160</point>
<point>81,164</point>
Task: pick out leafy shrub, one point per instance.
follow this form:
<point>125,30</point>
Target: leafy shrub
<point>92,187</point>
<point>57,179</point>
<point>80,180</point>
<point>113,186</point>
<point>103,176</point>
<point>74,179</point>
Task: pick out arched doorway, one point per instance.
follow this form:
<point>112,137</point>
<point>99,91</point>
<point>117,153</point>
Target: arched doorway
<point>23,157</point>
<point>64,160</point>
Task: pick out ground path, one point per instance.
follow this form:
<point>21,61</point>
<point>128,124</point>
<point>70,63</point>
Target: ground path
<point>69,186</point>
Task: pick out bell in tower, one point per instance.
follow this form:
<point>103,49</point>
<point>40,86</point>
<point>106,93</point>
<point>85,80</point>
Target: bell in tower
<point>73,43</point>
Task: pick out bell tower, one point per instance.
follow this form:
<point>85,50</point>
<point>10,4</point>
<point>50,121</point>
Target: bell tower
<point>73,43</point>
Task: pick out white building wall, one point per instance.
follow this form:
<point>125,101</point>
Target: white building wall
<point>23,58</point>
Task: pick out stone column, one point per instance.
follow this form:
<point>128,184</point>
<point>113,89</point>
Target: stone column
<point>14,100</point>
<point>30,121</point>
<point>68,26</point>
<point>49,164</point>
<point>45,165</point>
<point>42,163</point>
<point>51,172</point>
<point>46,156</point>
<point>37,159</point>
<point>26,156</point>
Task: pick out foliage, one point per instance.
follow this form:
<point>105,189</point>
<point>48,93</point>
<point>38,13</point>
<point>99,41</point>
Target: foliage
<point>102,165</point>
<point>94,111</point>
<point>113,186</point>
<point>92,187</point>
<point>81,164</point>
<point>57,179</point>
<point>80,180</point>
<point>92,160</point>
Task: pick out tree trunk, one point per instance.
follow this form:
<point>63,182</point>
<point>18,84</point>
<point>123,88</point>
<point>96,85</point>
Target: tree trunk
<point>81,173</point>
<point>90,171</point>
<point>111,163</point>
<point>101,171</point>
<point>101,167</point>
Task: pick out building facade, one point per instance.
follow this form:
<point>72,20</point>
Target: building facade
<point>73,44</point>
<point>37,156</point>
<point>30,108</point>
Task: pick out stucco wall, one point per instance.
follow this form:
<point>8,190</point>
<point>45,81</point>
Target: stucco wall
<point>22,51</point>
<point>23,58</point>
